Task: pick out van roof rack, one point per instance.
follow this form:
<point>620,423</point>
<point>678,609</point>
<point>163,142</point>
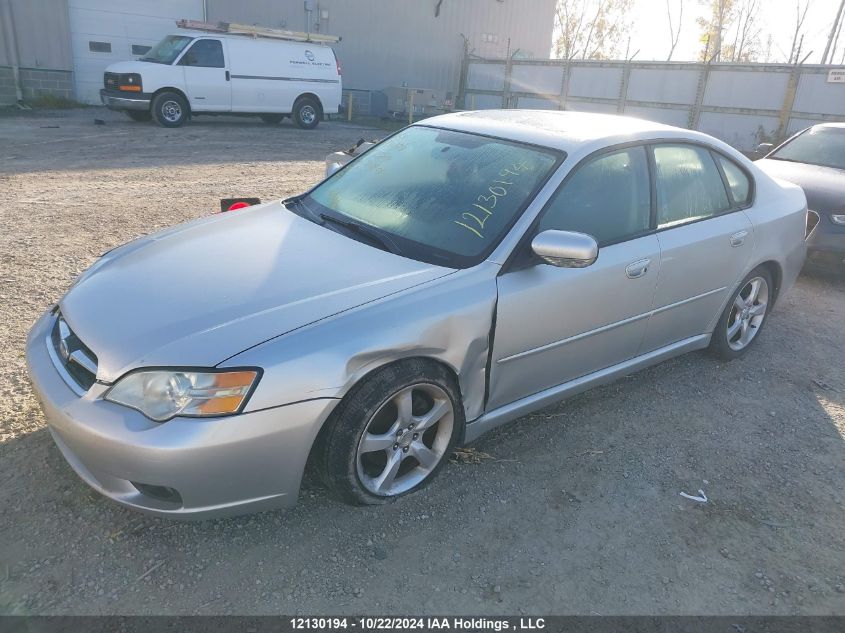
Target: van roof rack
<point>257,31</point>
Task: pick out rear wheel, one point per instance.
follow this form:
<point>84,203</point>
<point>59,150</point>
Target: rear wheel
<point>392,434</point>
<point>272,119</point>
<point>170,109</point>
<point>744,316</point>
<point>307,113</point>
<point>141,116</point>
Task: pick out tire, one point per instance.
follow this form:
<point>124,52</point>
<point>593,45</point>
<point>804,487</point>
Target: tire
<point>367,454</point>
<point>744,316</point>
<point>170,109</point>
<point>141,116</point>
<point>307,113</point>
<point>272,119</point>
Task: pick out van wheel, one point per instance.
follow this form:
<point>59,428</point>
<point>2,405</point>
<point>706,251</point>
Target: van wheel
<point>272,119</point>
<point>170,109</point>
<point>141,116</point>
<point>306,113</point>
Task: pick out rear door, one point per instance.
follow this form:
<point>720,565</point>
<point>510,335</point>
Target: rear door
<point>207,76</point>
<point>705,239</point>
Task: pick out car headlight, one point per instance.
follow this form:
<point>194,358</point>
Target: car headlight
<point>838,218</point>
<point>161,395</point>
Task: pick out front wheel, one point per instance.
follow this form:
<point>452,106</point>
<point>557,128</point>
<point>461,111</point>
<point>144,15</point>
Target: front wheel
<point>744,316</point>
<point>392,434</point>
<point>306,113</point>
<point>170,109</point>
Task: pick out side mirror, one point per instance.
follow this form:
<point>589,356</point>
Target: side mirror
<point>332,168</point>
<point>764,148</point>
<point>565,249</point>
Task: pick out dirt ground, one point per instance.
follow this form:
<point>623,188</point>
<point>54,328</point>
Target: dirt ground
<point>572,510</point>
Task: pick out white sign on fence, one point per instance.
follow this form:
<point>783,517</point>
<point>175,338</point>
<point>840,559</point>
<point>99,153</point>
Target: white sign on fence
<point>836,77</point>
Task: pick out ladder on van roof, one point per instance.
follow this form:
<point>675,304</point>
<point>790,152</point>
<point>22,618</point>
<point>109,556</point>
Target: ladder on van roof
<point>257,31</point>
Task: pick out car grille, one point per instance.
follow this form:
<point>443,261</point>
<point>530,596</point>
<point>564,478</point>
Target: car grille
<point>78,362</point>
<point>110,81</point>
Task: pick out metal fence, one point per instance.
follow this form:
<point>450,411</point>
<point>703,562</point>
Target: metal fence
<point>742,104</point>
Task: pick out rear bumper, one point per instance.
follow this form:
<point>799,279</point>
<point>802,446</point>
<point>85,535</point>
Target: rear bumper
<point>117,100</point>
<point>218,466</point>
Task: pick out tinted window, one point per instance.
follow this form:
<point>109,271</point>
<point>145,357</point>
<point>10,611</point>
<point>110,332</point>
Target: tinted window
<point>608,198</point>
<point>738,182</point>
<point>689,186</point>
<point>204,53</point>
<point>817,146</point>
<point>442,196</point>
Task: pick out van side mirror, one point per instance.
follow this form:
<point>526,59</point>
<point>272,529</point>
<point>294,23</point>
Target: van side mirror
<point>565,249</point>
<point>764,148</point>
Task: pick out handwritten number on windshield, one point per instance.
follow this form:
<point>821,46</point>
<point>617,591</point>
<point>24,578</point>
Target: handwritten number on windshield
<point>497,189</point>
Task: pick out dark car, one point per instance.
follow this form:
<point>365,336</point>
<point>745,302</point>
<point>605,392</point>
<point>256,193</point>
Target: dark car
<point>815,160</point>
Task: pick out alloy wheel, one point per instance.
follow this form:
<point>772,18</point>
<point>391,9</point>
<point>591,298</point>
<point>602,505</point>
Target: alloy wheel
<point>747,313</point>
<point>405,439</point>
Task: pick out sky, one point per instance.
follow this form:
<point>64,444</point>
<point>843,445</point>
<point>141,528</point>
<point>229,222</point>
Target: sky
<point>650,34</point>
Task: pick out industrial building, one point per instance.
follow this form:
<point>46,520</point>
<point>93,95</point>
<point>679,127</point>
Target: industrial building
<point>61,47</point>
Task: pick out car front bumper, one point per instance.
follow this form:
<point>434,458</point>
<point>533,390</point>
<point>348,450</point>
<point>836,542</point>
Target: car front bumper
<point>117,100</point>
<point>218,466</point>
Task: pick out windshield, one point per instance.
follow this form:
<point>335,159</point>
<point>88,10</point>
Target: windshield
<point>442,197</point>
<point>167,50</point>
<point>822,146</point>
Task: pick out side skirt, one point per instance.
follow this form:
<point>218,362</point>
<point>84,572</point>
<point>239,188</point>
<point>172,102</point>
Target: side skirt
<point>514,410</point>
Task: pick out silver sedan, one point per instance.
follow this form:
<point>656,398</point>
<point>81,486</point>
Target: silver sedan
<point>465,271</point>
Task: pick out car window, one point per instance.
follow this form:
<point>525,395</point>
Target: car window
<point>204,53</point>
<point>738,182</point>
<point>444,197</point>
<point>608,198</point>
<point>823,146</point>
<point>689,186</point>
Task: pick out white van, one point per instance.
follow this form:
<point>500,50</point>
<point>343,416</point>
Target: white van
<point>196,72</point>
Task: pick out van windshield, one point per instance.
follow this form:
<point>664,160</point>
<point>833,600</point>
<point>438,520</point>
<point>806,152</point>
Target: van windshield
<point>167,50</point>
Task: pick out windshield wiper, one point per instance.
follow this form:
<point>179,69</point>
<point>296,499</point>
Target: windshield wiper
<point>375,236</point>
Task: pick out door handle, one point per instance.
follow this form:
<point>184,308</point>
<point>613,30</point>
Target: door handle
<point>227,75</point>
<point>637,269</point>
<point>738,238</point>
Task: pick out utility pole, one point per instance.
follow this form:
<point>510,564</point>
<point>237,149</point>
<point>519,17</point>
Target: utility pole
<point>832,34</point>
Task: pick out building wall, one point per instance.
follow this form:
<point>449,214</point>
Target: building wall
<point>391,42</point>
<point>35,34</point>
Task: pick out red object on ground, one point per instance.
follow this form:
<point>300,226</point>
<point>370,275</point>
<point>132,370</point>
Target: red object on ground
<point>238,205</point>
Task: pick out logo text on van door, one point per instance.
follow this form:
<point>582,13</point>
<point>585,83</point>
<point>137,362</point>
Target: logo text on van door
<point>311,60</point>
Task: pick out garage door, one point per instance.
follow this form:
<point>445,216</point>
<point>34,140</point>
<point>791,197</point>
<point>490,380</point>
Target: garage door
<point>106,31</point>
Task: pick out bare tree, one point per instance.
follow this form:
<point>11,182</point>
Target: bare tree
<point>747,36</point>
<point>833,30</point>
<point>590,29</point>
<point>674,33</point>
<point>800,16</point>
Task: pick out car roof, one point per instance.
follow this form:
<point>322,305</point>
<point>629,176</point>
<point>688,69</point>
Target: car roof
<point>832,124</point>
<point>563,130</point>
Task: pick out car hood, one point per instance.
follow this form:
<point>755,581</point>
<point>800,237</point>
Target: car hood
<point>202,292</point>
<point>823,186</point>
<point>133,66</point>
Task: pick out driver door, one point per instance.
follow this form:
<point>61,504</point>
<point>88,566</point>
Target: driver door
<point>207,78</point>
<point>557,324</point>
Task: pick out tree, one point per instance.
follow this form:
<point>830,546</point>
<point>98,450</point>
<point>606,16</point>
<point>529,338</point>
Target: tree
<point>746,41</point>
<point>674,33</point>
<point>713,27</point>
<point>590,29</point>
<point>797,35</point>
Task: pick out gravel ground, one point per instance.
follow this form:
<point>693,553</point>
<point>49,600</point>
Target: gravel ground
<point>574,509</point>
